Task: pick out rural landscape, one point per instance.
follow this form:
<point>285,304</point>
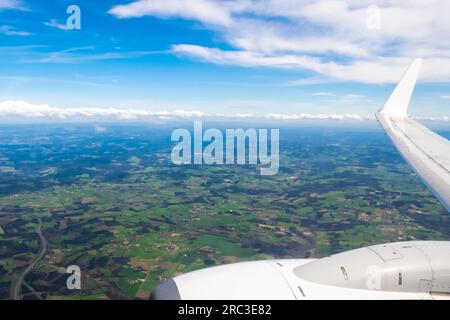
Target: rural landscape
<point>108,199</point>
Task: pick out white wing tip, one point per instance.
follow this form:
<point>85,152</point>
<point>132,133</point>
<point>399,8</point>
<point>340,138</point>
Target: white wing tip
<point>398,102</point>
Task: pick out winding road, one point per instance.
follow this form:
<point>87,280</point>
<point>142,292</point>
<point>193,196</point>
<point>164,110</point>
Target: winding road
<point>16,286</point>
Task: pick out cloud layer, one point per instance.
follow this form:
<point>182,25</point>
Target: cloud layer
<point>336,39</point>
<point>22,109</point>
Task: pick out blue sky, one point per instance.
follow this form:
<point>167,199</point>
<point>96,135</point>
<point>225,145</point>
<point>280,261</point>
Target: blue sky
<point>260,57</point>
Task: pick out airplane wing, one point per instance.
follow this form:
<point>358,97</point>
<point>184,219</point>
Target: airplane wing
<point>425,151</point>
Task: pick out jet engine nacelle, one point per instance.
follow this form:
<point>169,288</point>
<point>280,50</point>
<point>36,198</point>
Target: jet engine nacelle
<point>401,270</point>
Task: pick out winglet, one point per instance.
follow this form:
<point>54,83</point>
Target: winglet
<point>397,104</point>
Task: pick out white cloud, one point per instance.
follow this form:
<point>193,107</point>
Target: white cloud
<point>324,94</point>
<point>354,96</point>
<point>84,54</point>
<point>445,97</point>
<point>17,108</point>
<point>244,58</point>
<point>326,37</point>
<point>438,119</point>
<point>53,23</point>
<point>10,4</point>
<point>307,116</point>
<point>204,11</point>
<point>22,109</point>
<point>12,31</point>
<point>377,70</point>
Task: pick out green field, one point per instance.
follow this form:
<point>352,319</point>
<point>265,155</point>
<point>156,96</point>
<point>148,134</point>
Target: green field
<point>130,219</point>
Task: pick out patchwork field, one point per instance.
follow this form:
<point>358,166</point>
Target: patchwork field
<point>113,204</point>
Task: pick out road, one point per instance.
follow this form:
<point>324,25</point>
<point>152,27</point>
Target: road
<point>16,286</point>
